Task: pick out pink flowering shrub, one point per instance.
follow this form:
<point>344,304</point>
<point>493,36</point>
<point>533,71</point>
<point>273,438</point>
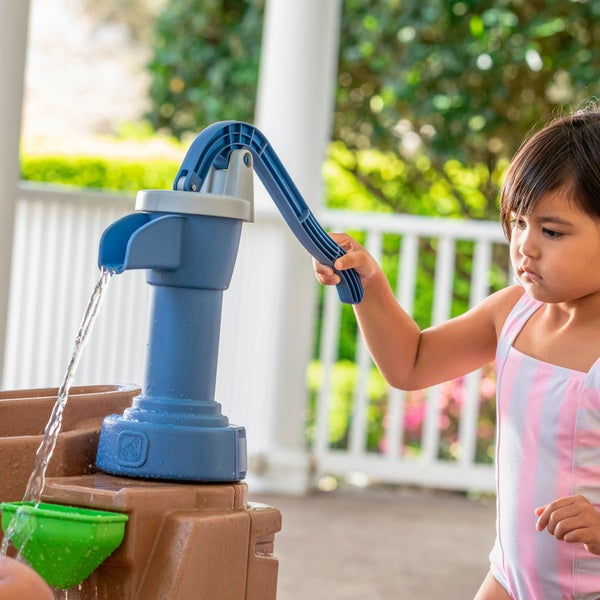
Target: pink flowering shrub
<point>450,398</point>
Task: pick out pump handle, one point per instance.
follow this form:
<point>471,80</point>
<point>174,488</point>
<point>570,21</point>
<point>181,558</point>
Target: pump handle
<point>213,146</point>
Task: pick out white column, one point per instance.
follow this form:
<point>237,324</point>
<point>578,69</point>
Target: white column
<point>13,45</point>
<point>294,110</point>
<point>297,81</point>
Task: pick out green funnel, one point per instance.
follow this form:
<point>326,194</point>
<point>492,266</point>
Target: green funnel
<point>64,544</point>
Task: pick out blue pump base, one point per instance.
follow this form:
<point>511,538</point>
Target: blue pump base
<point>172,452</point>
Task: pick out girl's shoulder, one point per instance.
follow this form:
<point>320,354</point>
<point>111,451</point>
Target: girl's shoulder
<point>501,303</point>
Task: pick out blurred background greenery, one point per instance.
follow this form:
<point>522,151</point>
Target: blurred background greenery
<point>433,97</point>
<point>430,87</point>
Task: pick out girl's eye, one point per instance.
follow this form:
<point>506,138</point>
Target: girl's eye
<point>551,233</point>
<point>516,222</point>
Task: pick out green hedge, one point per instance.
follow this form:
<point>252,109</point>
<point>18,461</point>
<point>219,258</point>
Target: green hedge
<point>102,173</point>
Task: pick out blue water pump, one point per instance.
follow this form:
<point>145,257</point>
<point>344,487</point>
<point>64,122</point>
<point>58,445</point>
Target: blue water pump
<point>187,239</point>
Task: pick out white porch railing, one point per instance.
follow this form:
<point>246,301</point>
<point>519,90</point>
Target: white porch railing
<point>391,461</point>
<point>55,245</point>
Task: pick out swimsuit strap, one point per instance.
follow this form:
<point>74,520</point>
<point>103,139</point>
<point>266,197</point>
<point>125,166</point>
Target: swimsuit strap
<point>519,315</point>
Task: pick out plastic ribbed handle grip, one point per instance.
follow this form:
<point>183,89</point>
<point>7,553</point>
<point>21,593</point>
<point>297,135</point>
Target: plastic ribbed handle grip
<point>214,145</point>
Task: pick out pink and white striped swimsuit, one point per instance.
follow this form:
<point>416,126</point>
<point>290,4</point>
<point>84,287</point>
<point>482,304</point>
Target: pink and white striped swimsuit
<point>548,447</point>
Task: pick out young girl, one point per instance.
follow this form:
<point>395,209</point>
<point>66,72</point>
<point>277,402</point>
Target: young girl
<point>544,334</point>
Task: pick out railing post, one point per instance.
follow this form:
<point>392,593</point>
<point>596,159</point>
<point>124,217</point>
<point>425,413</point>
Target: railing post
<point>13,47</point>
<point>480,288</point>
<point>443,281</point>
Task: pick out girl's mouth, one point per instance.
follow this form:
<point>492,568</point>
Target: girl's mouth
<point>528,274</point>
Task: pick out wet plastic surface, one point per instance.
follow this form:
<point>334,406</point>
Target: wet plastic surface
<point>182,541</point>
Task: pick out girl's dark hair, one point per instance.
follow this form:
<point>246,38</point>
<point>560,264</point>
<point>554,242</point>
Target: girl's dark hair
<point>564,153</point>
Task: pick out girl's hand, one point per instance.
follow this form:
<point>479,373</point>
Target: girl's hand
<point>356,258</point>
<point>572,519</point>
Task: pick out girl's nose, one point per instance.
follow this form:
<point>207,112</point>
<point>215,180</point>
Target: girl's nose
<point>527,245</point>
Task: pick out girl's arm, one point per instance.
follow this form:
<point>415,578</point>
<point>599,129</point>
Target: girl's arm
<point>407,357</point>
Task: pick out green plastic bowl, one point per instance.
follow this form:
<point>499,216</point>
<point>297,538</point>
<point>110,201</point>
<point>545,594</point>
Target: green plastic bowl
<point>64,544</point>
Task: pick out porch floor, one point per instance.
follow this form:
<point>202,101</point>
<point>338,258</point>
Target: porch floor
<point>382,543</point>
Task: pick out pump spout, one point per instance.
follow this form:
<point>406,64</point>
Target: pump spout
<point>138,241</point>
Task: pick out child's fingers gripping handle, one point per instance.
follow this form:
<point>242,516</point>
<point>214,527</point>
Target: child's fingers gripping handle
<point>326,251</point>
<point>347,281</point>
<point>349,289</point>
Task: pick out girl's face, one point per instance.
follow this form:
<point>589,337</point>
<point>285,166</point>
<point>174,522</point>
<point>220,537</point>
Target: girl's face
<point>555,250</point>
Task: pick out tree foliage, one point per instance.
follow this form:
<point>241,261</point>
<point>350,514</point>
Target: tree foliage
<point>440,84</point>
<point>205,63</point>
<point>466,79</point>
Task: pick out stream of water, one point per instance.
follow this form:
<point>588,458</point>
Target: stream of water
<point>35,485</point>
